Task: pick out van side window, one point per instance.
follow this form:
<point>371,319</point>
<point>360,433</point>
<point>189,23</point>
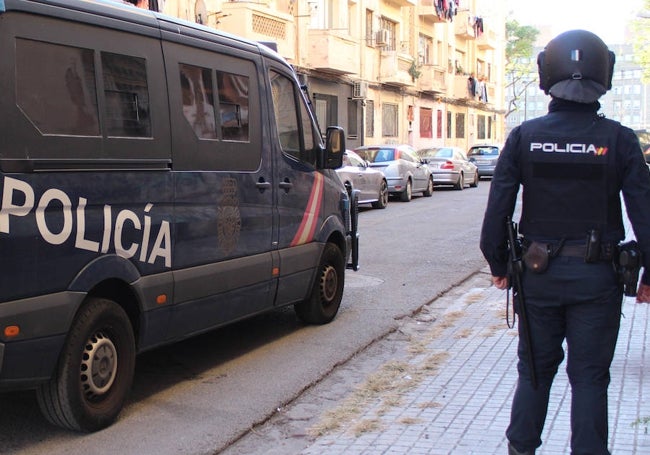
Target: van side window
<point>233,106</point>
<point>287,120</point>
<point>198,100</point>
<point>127,96</point>
<point>64,102</point>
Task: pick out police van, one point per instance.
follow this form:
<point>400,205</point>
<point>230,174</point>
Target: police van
<point>158,179</point>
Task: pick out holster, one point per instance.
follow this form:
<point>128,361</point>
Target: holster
<point>536,257</point>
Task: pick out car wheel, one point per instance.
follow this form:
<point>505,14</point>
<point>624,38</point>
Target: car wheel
<point>407,194</point>
<point>474,184</point>
<point>460,184</point>
<point>327,291</point>
<point>382,200</point>
<point>95,370</point>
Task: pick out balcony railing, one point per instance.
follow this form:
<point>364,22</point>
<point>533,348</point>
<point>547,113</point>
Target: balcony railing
<point>432,79</point>
<point>403,2</point>
<point>332,52</point>
<point>462,26</point>
<point>487,40</point>
<point>394,69</point>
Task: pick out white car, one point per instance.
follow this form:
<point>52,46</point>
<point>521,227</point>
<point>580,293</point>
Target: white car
<point>370,183</point>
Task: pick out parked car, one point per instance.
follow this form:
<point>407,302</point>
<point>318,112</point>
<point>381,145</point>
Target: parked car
<point>405,172</point>
<point>371,184</point>
<point>450,166</point>
<point>485,157</point>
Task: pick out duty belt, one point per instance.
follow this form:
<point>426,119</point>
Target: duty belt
<point>579,251</point>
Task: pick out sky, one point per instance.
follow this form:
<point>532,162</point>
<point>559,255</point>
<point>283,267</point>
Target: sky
<point>605,18</point>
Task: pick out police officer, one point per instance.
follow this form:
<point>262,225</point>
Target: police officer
<point>573,165</point>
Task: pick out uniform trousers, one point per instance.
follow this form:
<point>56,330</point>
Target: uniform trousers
<point>579,303</point>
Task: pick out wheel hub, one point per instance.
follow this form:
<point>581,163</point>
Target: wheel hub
<point>98,365</point>
<point>329,284</point>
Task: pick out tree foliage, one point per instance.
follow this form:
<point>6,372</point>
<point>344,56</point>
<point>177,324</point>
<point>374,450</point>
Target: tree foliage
<point>641,28</point>
<point>521,68</point>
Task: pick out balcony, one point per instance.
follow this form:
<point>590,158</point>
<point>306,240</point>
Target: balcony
<point>394,69</point>
<point>487,40</point>
<point>332,52</point>
<point>259,22</point>
<point>427,10</point>
<point>402,2</point>
<point>432,79</point>
<point>462,26</point>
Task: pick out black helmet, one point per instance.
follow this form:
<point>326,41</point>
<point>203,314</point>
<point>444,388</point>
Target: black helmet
<point>576,66</point>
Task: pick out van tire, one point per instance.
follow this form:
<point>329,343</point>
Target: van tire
<point>101,339</point>
<point>327,292</point>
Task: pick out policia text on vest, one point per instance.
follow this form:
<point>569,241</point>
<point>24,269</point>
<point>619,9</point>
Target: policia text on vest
<point>158,179</point>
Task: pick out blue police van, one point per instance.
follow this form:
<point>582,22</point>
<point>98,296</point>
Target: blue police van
<point>158,179</point>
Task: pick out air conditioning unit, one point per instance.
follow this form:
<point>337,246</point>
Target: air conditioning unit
<point>359,90</point>
<point>382,38</point>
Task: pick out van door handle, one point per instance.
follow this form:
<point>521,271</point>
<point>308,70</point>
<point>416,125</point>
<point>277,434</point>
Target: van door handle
<point>286,185</point>
<point>263,185</point>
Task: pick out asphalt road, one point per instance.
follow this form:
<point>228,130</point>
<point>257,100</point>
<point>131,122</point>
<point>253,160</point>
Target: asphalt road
<point>197,396</point>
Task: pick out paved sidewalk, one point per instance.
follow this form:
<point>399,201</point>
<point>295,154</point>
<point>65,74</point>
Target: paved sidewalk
<point>450,392</point>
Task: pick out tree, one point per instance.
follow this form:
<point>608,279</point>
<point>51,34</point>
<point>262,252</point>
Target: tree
<point>641,27</point>
<point>520,64</point>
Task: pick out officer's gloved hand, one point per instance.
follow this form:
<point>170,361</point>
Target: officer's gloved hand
<point>643,293</point>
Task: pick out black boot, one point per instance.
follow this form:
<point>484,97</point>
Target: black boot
<point>513,451</point>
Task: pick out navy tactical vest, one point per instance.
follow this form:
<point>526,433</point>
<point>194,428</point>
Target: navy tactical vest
<point>569,176</point>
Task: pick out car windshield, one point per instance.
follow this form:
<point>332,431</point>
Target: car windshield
<point>377,155</point>
<point>485,151</point>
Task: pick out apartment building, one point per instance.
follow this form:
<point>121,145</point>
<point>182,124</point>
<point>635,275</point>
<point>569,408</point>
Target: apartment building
<point>388,71</point>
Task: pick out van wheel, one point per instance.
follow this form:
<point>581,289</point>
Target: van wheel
<point>382,200</point>
<point>95,370</point>
<point>407,194</point>
<point>327,291</point>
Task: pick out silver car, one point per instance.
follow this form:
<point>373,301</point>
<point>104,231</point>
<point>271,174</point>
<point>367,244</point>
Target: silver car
<point>405,172</point>
<point>370,183</point>
<point>485,157</point>
<point>450,166</point>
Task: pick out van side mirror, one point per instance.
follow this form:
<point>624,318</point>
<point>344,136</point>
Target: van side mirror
<point>334,147</point>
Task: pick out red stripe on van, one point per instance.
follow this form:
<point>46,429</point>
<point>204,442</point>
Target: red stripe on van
<point>310,217</point>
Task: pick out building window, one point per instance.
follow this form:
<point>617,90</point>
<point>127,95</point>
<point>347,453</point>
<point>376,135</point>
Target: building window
<point>391,29</point>
<point>370,118</point>
<point>460,125</point>
<point>369,28</point>
<point>389,119</point>
<point>425,49</point>
<point>480,126</point>
<point>426,122</point>
<point>449,117</point>
<point>439,124</point>
<point>353,122</point>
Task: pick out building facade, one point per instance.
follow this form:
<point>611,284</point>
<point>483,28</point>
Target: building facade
<point>421,72</point>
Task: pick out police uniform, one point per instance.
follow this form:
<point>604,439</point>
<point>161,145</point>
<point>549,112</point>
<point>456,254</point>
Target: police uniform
<point>573,165</point>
